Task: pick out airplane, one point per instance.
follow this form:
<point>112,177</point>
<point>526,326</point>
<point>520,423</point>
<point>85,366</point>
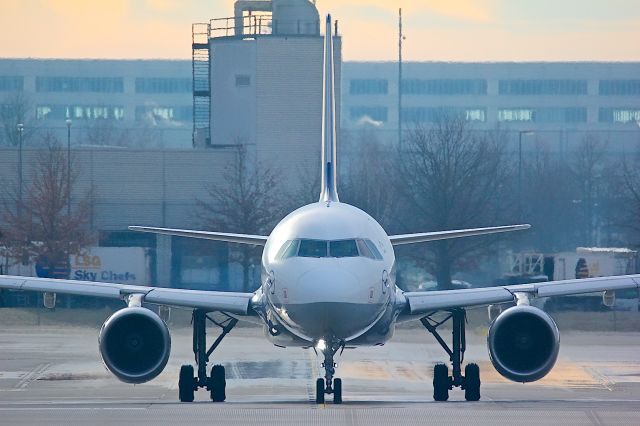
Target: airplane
<point>328,283</point>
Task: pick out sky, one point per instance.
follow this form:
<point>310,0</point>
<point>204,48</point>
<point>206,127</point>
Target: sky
<point>435,30</point>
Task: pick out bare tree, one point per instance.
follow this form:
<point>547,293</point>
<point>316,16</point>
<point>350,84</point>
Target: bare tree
<point>246,200</point>
<point>368,171</point>
<point>38,226</point>
<point>451,177</point>
<point>105,131</point>
<point>590,172</point>
<point>15,109</point>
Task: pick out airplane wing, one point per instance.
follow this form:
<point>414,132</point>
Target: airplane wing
<point>397,240</point>
<point>258,240</point>
<point>232,303</point>
<point>424,302</point>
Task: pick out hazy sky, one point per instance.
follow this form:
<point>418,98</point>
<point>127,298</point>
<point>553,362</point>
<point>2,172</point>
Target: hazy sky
<point>460,30</point>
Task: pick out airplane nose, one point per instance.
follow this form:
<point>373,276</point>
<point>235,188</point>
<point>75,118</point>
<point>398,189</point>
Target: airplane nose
<point>331,302</point>
<point>322,285</point>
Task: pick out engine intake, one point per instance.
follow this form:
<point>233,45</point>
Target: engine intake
<point>523,343</point>
<point>135,344</point>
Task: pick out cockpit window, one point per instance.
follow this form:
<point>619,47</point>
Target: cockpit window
<point>312,248</point>
<point>374,249</point>
<point>337,248</point>
<point>343,248</point>
<point>289,249</point>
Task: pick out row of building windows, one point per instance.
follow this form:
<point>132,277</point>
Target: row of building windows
<point>89,112</point>
<point>505,87</point>
<point>543,115</point>
<point>368,86</point>
<point>80,84</point>
<point>542,87</point>
<point>435,114</point>
<point>619,87</point>
<point>479,114</point>
<point>11,83</point>
<point>164,113</point>
<point>79,112</point>
<point>163,85</point>
<point>619,115</point>
<point>444,87</point>
<point>100,84</point>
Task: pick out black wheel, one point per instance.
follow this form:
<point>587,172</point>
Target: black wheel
<point>337,391</point>
<point>440,382</point>
<point>320,391</point>
<point>186,384</point>
<point>218,383</point>
<point>472,382</point>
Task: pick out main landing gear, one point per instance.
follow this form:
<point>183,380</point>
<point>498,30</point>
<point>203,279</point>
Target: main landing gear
<point>215,383</point>
<point>442,382</point>
<point>329,385</point>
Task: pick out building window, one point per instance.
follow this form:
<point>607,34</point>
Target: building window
<point>379,114</point>
<point>80,84</point>
<point>519,114</point>
<point>79,112</point>
<point>11,83</point>
<point>243,80</point>
<point>620,87</point>
<point>444,87</point>
<point>542,87</point>
<point>435,114</point>
<point>619,115</point>
<point>164,113</point>
<point>544,115</point>
<point>163,85</point>
<point>368,87</point>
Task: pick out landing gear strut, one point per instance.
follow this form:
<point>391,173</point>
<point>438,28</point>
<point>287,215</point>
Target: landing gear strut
<point>329,385</point>
<point>442,382</point>
<point>215,383</point>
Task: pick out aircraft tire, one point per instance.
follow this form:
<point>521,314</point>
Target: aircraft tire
<point>337,391</point>
<point>440,382</point>
<point>186,386</point>
<point>472,382</point>
<point>218,383</point>
<point>320,391</point>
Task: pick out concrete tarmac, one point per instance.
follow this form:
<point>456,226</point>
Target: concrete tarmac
<point>54,375</point>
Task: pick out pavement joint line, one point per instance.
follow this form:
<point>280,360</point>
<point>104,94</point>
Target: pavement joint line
<point>33,375</point>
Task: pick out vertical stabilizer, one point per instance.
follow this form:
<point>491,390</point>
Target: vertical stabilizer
<point>329,190</point>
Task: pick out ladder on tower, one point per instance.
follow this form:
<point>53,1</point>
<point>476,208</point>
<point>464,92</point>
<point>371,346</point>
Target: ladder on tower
<point>200,62</point>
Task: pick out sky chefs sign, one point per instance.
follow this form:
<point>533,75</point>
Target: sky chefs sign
<point>124,265</point>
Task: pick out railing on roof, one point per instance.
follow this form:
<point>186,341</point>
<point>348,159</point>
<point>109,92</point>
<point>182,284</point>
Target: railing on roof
<point>261,24</point>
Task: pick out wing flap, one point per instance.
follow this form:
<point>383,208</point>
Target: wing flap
<point>429,301</point>
<point>233,303</point>
<point>458,233</point>
<point>258,240</point>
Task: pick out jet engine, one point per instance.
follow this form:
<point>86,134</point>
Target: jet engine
<point>135,344</point>
<point>523,343</point>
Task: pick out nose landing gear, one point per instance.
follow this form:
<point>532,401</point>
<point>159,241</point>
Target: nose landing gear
<point>329,385</point>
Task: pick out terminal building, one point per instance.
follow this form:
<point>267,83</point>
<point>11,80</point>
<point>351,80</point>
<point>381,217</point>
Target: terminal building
<point>255,79</point>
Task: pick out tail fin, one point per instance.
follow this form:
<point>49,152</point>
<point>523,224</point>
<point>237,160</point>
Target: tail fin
<point>329,191</point>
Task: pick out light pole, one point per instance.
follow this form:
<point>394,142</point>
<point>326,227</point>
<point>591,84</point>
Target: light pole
<point>20,128</point>
<point>520,133</point>
<point>68,167</point>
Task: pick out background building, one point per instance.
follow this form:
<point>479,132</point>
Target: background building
<point>255,79</point>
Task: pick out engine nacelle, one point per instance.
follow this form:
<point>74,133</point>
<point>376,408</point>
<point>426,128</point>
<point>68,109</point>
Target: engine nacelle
<point>523,343</point>
<point>135,344</point>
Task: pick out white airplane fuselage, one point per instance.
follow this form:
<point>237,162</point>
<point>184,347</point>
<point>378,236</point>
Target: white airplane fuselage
<point>323,280</point>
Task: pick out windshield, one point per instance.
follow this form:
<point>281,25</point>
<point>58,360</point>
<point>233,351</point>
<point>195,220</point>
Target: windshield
<point>323,248</point>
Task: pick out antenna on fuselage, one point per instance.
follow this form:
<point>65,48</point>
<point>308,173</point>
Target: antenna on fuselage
<point>329,191</point>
